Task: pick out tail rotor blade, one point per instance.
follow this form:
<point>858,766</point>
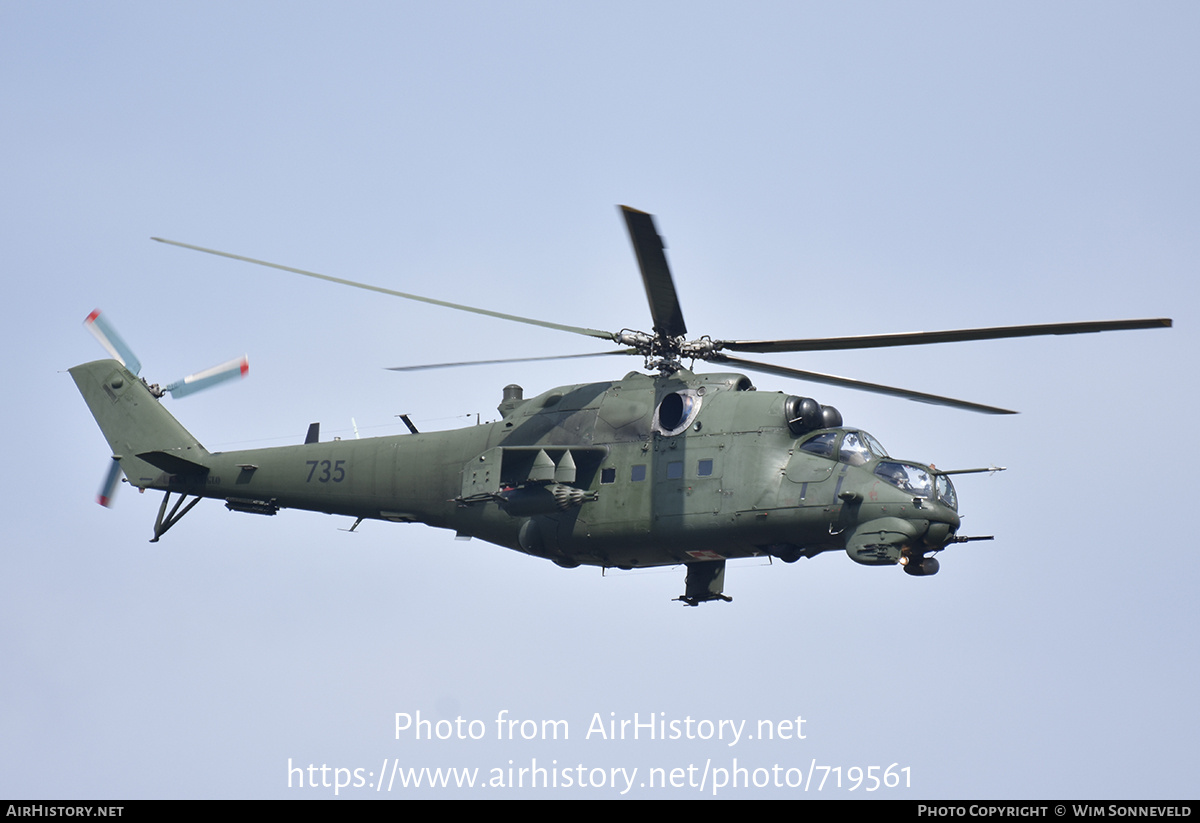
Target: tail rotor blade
<point>208,378</point>
<point>109,489</point>
<point>103,331</point>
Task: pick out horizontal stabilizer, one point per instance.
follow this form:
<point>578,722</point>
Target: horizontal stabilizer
<point>172,463</point>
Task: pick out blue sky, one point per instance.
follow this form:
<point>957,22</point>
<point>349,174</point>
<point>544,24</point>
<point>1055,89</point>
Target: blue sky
<point>817,169</point>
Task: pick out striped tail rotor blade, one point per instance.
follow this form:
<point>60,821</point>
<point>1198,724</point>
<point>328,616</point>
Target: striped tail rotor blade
<point>109,489</point>
<point>208,378</point>
<point>103,331</point>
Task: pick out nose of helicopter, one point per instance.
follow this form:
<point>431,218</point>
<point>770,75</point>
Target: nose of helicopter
<point>941,531</point>
<point>886,540</point>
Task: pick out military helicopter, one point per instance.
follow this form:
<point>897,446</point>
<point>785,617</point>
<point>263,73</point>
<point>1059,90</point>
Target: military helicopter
<point>667,468</point>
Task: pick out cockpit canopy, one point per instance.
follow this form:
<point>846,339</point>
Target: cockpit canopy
<point>845,445</point>
<point>917,481</point>
<point>858,448</point>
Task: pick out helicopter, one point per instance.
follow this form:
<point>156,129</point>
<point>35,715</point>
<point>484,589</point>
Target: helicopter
<point>662,467</point>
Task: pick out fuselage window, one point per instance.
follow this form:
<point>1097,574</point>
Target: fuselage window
<point>675,470</point>
<point>608,476</point>
<point>705,467</point>
<point>637,474</point>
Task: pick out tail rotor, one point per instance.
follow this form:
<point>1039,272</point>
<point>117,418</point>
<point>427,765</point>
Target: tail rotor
<point>238,367</point>
<point>97,323</point>
<point>109,489</point>
<point>100,328</point>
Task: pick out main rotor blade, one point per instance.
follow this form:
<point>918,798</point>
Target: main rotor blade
<point>919,338</point>
<point>660,289</point>
<point>510,360</point>
<point>603,335</point>
<point>847,383</point>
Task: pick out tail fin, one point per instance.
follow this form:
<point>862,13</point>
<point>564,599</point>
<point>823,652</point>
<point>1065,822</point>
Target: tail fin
<point>144,437</point>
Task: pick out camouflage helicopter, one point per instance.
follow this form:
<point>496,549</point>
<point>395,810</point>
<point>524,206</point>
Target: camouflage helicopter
<point>667,468</point>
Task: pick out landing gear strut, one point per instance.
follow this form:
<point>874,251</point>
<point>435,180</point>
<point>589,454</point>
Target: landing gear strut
<point>705,581</point>
<point>165,521</point>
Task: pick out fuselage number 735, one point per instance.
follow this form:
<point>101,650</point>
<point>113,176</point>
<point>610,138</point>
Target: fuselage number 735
<point>331,471</point>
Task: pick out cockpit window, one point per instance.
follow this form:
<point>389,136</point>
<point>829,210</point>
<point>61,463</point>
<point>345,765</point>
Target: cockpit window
<point>823,444</point>
<point>945,491</point>
<point>876,447</point>
<point>906,477</point>
<point>857,447</point>
<point>854,450</point>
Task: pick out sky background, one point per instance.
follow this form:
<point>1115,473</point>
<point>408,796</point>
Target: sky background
<point>816,169</point>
